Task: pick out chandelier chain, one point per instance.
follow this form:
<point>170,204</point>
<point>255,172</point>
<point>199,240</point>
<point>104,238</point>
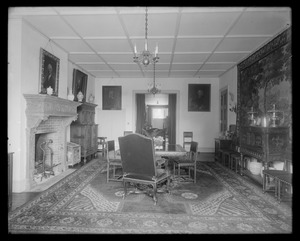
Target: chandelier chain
<point>146,24</point>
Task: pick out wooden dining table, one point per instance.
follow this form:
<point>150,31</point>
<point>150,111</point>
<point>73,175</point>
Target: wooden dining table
<point>171,150</point>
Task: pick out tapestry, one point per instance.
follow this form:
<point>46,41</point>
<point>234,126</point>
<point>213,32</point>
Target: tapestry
<point>220,202</point>
<point>265,80</point>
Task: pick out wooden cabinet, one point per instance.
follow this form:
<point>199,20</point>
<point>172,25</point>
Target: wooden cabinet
<point>221,144</point>
<point>10,168</point>
<point>267,144</point>
<point>84,131</point>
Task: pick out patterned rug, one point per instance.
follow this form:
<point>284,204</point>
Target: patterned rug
<point>220,202</point>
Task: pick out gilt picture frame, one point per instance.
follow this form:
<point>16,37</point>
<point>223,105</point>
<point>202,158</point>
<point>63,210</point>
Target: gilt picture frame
<point>199,97</point>
<point>111,97</point>
<point>79,84</point>
<point>49,72</point>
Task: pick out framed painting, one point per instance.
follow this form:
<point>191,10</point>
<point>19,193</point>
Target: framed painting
<point>111,97</point>
<point>79,84</point>
<point>199,97</point>
<point>49,72</point>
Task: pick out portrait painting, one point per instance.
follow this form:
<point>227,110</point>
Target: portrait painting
<point>199,97</point>
<point>111,97</point>
<point>49,72</point>
<point>79,84</point>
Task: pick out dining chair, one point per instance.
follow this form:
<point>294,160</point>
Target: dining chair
<point>187,139</point>
<point>189,161</point>
<point>101,141</point>
<point>140,166</point>
<point>113,162</point>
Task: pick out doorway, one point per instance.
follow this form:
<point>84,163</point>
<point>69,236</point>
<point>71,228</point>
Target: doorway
<point>157,111</point>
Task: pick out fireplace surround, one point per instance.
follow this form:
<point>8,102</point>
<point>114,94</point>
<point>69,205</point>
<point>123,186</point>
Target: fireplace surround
<point>49,116</point>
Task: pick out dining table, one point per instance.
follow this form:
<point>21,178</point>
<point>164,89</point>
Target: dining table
<point>168,152</point>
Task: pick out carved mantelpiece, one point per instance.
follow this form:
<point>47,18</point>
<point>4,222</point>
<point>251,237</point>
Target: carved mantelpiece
<point>48,114</point>
<point>40,107</point>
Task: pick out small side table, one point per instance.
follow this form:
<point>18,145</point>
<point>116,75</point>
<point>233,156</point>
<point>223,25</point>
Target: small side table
<point>102,144</point>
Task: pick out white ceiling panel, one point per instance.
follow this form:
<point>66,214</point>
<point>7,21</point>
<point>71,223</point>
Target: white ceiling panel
<point>96,25</point>
<point>127,67</point>
<point>216,66</point>
<point>196,45</point>
<point>241,44</point>
<point>192,41</point>
<point>190,58</point>
<point>227,57</point>
<point>261,23</point>
<point>94,67</point>
<point>187,66</point>
<point>206,24</point>
<point>85,58</point>
<point>52,26</point>
<point>118,58</point>
<point>73,45</point>
<point>109,45</point>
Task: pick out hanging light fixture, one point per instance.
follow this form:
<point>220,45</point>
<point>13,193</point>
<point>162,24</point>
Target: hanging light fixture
<point>153,89</point>
<point>145,57</point>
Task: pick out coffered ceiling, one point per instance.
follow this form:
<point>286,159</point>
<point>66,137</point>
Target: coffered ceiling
<point>192,41</point>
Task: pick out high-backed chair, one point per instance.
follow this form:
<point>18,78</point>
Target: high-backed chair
<point>187,139</point>
<point>139,164</point>
<point>189,161</point>
<point>113,162</point>
<point>101,141</point>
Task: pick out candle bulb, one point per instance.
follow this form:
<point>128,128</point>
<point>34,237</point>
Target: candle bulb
<point>146,45</point>
<point>135,49</point>
<point>264,122</point>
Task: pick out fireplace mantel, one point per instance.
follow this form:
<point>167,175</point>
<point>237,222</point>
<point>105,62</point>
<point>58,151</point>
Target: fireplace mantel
<point>40,107</point>
<point>48,114</point>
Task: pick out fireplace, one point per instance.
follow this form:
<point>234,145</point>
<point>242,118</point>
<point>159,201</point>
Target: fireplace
<point>48,118</point>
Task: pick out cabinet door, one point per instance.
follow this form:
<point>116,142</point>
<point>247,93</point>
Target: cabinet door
<point>94,136</point>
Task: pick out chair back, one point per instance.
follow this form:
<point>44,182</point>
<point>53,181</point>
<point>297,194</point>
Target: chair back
<point>193,153</point>
<point>137,155</point>
<point>111,152</point>
<point>127,132</point>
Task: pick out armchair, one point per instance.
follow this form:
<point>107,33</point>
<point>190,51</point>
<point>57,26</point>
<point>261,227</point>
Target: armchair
<point>139,164</point>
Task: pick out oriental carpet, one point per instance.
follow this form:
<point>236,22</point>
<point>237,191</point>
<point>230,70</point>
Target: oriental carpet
<point>220,202</point>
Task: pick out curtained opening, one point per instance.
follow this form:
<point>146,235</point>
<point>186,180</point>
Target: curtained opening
<point>141,116</point>
<point>141,112</point>
<point>172,119</point>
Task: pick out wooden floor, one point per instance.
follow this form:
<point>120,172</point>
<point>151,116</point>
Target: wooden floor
<point>18,199</point>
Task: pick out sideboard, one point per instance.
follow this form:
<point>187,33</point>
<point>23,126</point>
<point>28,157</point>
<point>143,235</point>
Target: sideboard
<point>84,131</point>
<point>267,144</point>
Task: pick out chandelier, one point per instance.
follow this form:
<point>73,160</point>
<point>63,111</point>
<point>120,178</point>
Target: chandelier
<point>145,57</point>
<point>153,89</point>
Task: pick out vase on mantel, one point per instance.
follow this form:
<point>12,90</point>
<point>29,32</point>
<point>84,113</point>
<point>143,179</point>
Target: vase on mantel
<point>70,95</point>
<point>91,98</point>
<point>80,96</point>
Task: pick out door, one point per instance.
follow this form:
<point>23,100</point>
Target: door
<point>223,110</point>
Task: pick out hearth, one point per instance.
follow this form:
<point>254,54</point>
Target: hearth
<point>48,118</point>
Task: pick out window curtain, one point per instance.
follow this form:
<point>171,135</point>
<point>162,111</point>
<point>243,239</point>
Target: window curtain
<point>149,115</point>
<point>172,119</point>
<point>140,112</point>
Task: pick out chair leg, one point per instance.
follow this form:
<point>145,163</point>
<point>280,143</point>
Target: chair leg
<point>154,194</point>
<point>107,172</point>
<point>195,173</point>
<point>125,189</point>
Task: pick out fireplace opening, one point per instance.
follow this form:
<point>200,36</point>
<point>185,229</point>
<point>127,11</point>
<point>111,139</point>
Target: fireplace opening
<point>44,163</point>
